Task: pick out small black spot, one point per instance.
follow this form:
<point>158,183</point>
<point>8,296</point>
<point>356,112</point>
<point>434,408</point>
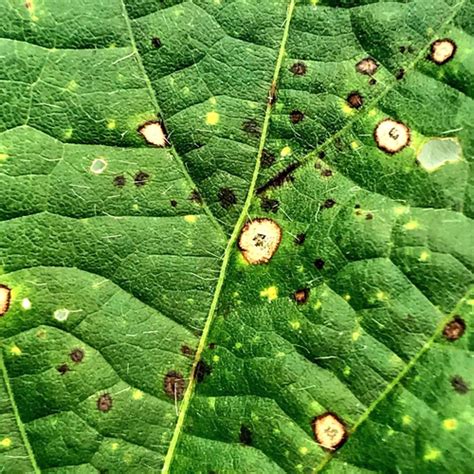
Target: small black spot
<point>227,197</point>
<point>141,178</point>
<point>267,159</point>
<point>187,351</point>
<point>454,329</point>
<point>400,73</point>
<point>298,69</point>
<point>245,436</point>
<point>355,100</point>
<point>318,165</point>
<point>328,203</point>
<point>300,238</point>
<point>319,263</point>
<point>104,402</point>
<point>322,155</point>
<point>269,205</point>
<point>77,355</point>
<point>403,49</point>
<point>459,385</point>
<point>173,202</point>
<point>372,82</point>
<point>62,369</point>
<point>357,206</point>
<point>195,197</point>
<point>202,370</point>
<point>326,173</point>
<point>251,126</point>
<point>156,42</point>
<point>301,296</point>
<point>369,216</point>
<point>280,178</point>
<point>212,345</point>
<point>119,181</point>
<point>174,385</point>
<point>296,116</point>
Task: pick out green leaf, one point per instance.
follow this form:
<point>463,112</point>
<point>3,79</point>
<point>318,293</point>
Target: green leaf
<point>283,282</point>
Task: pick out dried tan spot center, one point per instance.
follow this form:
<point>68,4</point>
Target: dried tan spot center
<point>259,240</point>
<point>391,136</point>
<point>329,431</point>
<point>153,133</point>
<point>4,299</point>
<point>367,66</point>
<point>442,51</point>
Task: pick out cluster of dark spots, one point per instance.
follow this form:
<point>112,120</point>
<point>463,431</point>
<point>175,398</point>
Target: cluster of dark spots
<point>195,197</point>
<point>269,205</point>
<point>173,203</point>
<point>245,435</point>
<point>300,238</point>
<point>328,203</point>
<point>355,100</point>
<point>141,178</point>
<point>459,385</point>
<point>5,298</point>
<point>301,296</point>
<point>252,127</point>
<point>367,66</point>
<point>104,402</point>
<point>202,371</point>
<point>281,178</point>
<point>454,329</point>
<point>187,351</point>
<point>298,69</point>
<point>319,263</point>
<point>400,74</point>
<point>267,159</point>
<point>296,116</point>
<point>327,173</point>
<point>227,197</point>
<point>156,42</point>
<point>369,216</point>
<point>174,385</point>
<point>119,181</point>
<point>62,369</point>
<point>77,355</point>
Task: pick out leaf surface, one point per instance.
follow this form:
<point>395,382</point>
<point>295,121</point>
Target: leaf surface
<point>137,335</point>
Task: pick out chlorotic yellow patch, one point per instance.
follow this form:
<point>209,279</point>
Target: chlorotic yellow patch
<point>470,302</point>
<point>71,85</point>
<point>111,124</point>
<point>215,358</point>
<point>238,345</point>
<point>399,210</point>
<point>347,297</point>
<point>285,151</point>
<point>303,450</point>
<point>137,394</point>
<point>424,256</point>
<point>406,420</point>
<point>450,424</point>
<point>191,219</point>
<point>295,325</point>
<point>356,335</point>
<point>372,113</point>
<point>381,296</point>
<point>355,145</point>
<point>212,118</point>
<point>347,110</point>
<point>347,371</point>
<point>213,100</point>
<point>271,293</point>
<point>114,446</point>
<point>318,304</point>
<point>67,133</point>
<point>3,156</point>
<point>432,454</point>
<point>6,442</point>
<point>411,225</point>
<point>15,350</point>
<point>26,303</point>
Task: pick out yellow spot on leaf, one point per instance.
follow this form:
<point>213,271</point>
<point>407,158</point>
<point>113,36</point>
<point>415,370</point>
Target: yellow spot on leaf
<point>111,124</point>
<point>137,394</point>
<point>406,420</point>
<point>372,113</point>
<point>347,110</point>
<point>347,297</point>
<point>191,219</point>
<point>212,118</point>
<point>303,450</point>
<point>432,454</point>
<point>354,145</point>
<point>411,225</point>
<point>215,358</point>
<point>450,424</point>
<point>26,303</point>
<point>285,151</point>
<point>271,293</point>
<point>381,296</point>
<point>424,256</point>
<point>399,210</point>
<point>114,446</point>
<point>15,350</point>
<point>6,442</point>
<point>295,325</point>
<point>67,133</point>
<point>238,345</point>
<point>71,85</point>
<point>318,304</point>
<point>347,371</point>
<point>280,354</point>
<point>213,100</point>
<point>356,335</point>
<point>3,156</point>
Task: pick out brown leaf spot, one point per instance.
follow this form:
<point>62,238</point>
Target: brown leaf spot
<point>459,385</point>
<point>259,240</point>
<point>355,100</point>
<point>245,436</point>
<point>454,329</point>
<point>202,370</point>
<point>329,431</point>
<point>327,173</point>
<point>442,51</point>
<point>62,369</point>
<point>141,178</point>
<point>367,66</point>
<point>298,69</point>
<point>195,197</point>
<point>187,351</point>
<point>173,203</point>
<point>77,355</point>
<point>5,297</point>
<point>391,136</point>
<point>296,116</point>
<point>104,402</point>
<point>267,159</point>
<point>119,181</point>
<point>328,203</point>
<point>227,198</point>
<point>319,263</point>
<point>301,296</point>
<point>400,74</point>
<point>269,205</point>
<point>300,238</point>
<point>174,385</point>
<point>156,42</point>
<point>154,133</point>
<point>251,126</point>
